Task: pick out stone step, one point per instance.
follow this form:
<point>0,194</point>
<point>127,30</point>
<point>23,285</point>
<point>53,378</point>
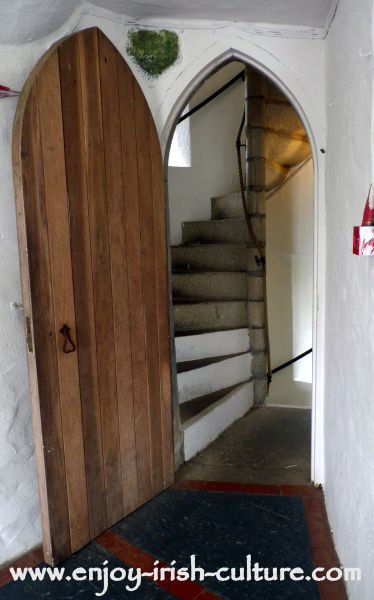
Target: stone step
<point>212,344</point>
<point>227,207</point>
<point>212,257</point>
<point>203,428</point>
<point>210,316</point>
<point>223,231</point>
<point>213,377</point>
<point>188,410</point>
<point>190,365</point>
<point>210,286</point>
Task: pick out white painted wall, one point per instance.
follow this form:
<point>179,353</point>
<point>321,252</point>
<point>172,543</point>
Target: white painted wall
<point>289,238</point>
<point>213,171</point>
<point>289,241</point>
<point>349,428</point>
<point>298,66</point>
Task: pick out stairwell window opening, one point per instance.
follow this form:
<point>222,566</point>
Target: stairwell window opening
<point>180,151</point>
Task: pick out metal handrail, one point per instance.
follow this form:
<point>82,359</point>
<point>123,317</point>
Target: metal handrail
<point>237,77</point>
<point>293,360</point>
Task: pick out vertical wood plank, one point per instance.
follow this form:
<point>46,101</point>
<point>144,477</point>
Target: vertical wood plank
<point>49,94</point>
<point>118,256</point>
<point>82,277</point>
<point>136,299</point>
<point>163,303</point>
<point>56,512</point>
<point>148,251</point>
<point>94,241</point>
<point>102,285</point>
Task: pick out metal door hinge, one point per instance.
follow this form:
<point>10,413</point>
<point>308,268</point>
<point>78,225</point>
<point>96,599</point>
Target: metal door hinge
<point>30,346</point>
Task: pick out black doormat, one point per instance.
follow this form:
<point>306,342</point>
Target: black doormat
<point>220,529</point>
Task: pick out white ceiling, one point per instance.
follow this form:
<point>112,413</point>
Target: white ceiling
<point>22,20</point>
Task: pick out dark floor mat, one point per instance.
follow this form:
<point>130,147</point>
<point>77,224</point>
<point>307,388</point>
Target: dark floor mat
<point>221,529</point>
<point>92,555</point>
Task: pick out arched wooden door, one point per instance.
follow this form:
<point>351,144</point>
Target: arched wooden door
<point>92,236</point>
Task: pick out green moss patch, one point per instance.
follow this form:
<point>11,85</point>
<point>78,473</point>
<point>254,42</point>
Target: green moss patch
<point>153,51</point>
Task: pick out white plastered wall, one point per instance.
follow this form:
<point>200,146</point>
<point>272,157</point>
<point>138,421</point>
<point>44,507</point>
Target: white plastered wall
<point>289,258</point>
<point>296,64</point>
<point>349,425</point>
<point>214,170</point>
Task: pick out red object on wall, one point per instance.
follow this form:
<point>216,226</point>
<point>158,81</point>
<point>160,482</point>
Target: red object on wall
<point>363,236</point>
<point>7,92</point>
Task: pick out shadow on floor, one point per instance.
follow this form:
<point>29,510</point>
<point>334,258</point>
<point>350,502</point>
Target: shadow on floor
<point>266,446</point>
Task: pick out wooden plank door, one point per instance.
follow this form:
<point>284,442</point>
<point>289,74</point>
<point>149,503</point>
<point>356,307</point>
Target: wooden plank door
<point>92,237</point>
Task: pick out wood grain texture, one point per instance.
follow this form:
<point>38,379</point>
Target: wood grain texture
<point>83,285</point>
<point>163,299</point>
<point>148,251</point>
<point>57,209</point>
<point>136,297</point>
<point>57,542</point>
<point>101,274</point>
<point>92,235</point>
<point>119,271</point>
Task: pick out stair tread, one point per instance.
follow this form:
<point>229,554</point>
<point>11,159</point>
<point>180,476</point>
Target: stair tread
<point>198,244</point>
<point>186,332</point>
<point>206,271</point>
<point>215,243</point>
<point>180,301</point>
<point>190,409</point>
<point>191,365</point>
<point>214,221</point>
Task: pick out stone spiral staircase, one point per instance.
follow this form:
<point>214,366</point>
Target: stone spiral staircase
<point>217,285</point>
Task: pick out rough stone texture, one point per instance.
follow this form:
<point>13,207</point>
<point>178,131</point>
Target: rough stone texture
<point>256,314</point>
<point>259,227</point>
<point>207,316</point>
<point>227,207</point>
<point>212,257</point>
<point>260,391</point>
<point>227,231</point>
<point>210,286</point>
<point>256,340</point>
<point>252,264</point>
<point>231,205</point>
<point>224,231</point>
<point>259,365</point>
<point>257,177</point>
<point>255,287</point>
<point>256,202</point>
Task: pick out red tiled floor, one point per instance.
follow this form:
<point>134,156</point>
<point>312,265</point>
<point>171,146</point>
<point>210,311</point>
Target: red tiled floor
<point>330,590</point>
<point>324,554</point>
<point>322,545</point>
<point>30,559</point>
<point>301,490</point>
<point>135,557</point>
<point>273,490</point>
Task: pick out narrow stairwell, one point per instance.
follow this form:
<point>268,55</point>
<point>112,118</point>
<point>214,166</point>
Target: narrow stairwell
<point>210,296</point>
<point>217,280</point>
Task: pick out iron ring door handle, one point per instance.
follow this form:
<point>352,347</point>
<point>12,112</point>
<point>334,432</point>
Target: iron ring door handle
<point>69,345</point>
